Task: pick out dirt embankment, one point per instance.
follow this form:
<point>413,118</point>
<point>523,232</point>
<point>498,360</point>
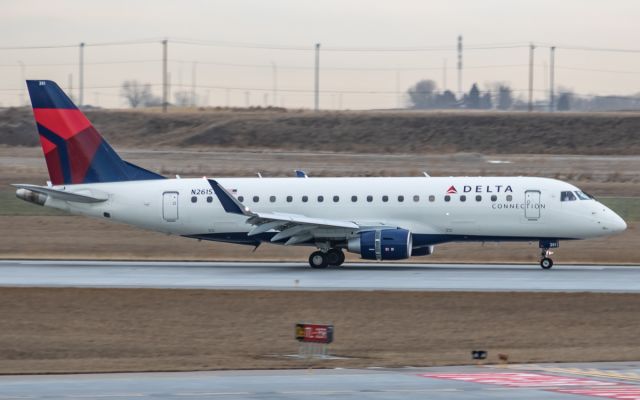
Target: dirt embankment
<point>63,330</point>
<point>367,132</point>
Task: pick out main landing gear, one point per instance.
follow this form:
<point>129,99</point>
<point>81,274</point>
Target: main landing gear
<point>322,259</point>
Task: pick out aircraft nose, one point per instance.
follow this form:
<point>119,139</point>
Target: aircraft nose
<point>614,222</point>
<point>618,224</point>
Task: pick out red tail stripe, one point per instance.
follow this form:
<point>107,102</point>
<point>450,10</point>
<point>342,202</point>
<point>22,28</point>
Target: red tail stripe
<point>47,146</point>
<point>63,122</point>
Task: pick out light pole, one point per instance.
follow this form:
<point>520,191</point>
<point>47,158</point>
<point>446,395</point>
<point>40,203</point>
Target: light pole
<point>22,82</point>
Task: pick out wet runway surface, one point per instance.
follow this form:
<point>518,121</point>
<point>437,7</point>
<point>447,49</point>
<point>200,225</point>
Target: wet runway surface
<point>547,381</point>
<point>298,276</point>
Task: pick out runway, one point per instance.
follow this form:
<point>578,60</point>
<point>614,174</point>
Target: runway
<point>548,381</point>
<point>298,276</point>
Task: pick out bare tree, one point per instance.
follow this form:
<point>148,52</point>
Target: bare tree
<point>421,95</point>
<point>505,97</point>
<point>135,93</point>
<point>183,98</point>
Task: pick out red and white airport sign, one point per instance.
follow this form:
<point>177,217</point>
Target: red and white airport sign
<point>314,333</point>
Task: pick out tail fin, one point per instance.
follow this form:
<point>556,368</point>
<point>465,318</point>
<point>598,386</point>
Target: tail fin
<point>74,150</point>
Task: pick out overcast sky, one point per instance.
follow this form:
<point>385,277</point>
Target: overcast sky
<point>349,79</point>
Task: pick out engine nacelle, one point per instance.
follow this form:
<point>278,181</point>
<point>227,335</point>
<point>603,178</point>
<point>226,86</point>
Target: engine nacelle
<point>31,196</point>
<point>423,251</point>
<point>382,244</point>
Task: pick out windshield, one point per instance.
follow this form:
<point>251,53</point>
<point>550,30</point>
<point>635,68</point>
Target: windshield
<point>583,195</point>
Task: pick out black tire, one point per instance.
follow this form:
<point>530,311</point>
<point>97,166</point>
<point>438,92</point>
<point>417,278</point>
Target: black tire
<point>341,260</point>
<point>546,263</point>
<point>335,257</point>
<point>318,260</point>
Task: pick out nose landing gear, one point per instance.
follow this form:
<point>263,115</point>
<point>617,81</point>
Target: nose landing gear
<point>546,262</point>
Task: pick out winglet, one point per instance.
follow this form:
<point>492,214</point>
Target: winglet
<point>301,174</point>
<point>228,201</point>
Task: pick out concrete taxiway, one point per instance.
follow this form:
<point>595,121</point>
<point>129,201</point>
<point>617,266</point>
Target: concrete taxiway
<point>549,381</point>
<point>294,276</point>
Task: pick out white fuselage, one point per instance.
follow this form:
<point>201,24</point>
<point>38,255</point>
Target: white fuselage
<point>494,208</point>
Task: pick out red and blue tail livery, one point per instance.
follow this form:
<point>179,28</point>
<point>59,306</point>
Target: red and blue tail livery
<point>74,150</point>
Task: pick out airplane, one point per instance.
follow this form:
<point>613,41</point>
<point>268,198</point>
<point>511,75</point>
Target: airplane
<point>378,218</point>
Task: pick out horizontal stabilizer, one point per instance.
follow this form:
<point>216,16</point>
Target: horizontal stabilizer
<point>64,195</point>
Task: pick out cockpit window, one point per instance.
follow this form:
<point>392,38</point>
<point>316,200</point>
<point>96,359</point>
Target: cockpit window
<point>583,195</point>
<point>567,196</point>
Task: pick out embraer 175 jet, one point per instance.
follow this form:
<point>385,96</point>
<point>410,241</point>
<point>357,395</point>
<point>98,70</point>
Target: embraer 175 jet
<point>377,218</point>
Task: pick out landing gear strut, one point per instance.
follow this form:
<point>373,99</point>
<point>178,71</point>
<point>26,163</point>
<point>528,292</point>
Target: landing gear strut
<point>321,259</point>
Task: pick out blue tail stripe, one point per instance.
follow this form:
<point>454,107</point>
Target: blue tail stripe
<point>47,94</point>
<point>61,146</point>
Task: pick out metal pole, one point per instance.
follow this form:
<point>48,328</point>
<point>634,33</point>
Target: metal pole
<point>317,79</point>
<point>444,75</point>
<point>164,77</point>
<point>81,77</point>
<point>275,84</point>
<point>552,77</point>
<point>460,66</point>
<point>23,83</point>
<point>193,84</point>
<point>531,50</point>
<point>398,96</point>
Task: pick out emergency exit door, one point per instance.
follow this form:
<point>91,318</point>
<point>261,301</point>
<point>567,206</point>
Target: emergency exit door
<point>532,205</point>
<point>170,206</point>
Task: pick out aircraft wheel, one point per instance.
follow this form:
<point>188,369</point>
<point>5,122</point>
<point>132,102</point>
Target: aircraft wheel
<point>546,263</point>
<point>318,259</point>
<point>335,257</point>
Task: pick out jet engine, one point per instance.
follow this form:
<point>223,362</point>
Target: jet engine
<point>31,197</point>
<point>382,244</point>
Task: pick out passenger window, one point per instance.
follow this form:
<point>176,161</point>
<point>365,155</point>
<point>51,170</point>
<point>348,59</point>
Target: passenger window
<point>463,198</point>
<point>416,198</point>
<point>336,199</point>
<point>509,197</point>
<point>256,199</point>
<point>354,198</point>
<point>194,199</point>
<point>289,199</point>
<point>240,199</point>
<point>478,198</point>
<point>400,199</point>
<point>447,198</point>
<point>305,199</point>
<point>320,199</point>
<point>272,199</point>
<point>494,198</point>
<point>567,196</point>
<point>432,198</point>
<point>369,198</point>
<point>209,199</point>
<point>385,198</point>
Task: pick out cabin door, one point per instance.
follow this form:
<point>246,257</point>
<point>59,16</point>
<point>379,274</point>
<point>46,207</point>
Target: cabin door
<point>532,205</point>
<point>170,206</point>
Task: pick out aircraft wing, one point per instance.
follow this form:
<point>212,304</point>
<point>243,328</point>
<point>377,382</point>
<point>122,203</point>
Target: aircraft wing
<point>294,227</point>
